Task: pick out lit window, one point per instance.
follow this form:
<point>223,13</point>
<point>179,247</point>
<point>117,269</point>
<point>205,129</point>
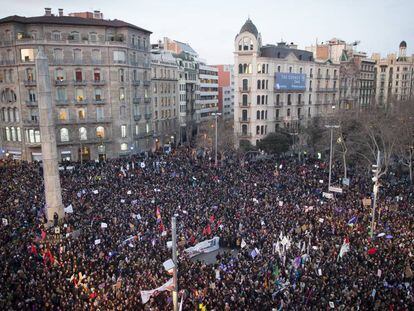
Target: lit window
<point>64,134</point>
<point>27,55</point>
<point>124,146</point>
<point>83,134</point>
<point>100,132</point>
<point>123,131</point>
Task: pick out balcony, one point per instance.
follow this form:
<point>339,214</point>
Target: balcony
<point>318,76</point>
<point>245,135</point>
<point>136,100</point>
<point>244,105</point>
<point>147,100</point>
<point>83,120</point>
<point>7,62</point>
<point>61,102</point>
<point>30,122</point>
<point>148,116</point>
<point>244,119</point>
<point>301,103</point>
<point>335,77</point>
<point>29,83</point>
<point>280,103</point>
<point>146,83</point>
<point>144,135</point>
<point>98,82</point>
<point>244,89</point>
<point>136,82</point>
<point>31,103</point>
<point>96,62</point>
<point>97,101</point>
<point>327,77</point>
<point>80,102</point>
<point>61,82</point>
<point>137,117</point>
<point>79,82</point>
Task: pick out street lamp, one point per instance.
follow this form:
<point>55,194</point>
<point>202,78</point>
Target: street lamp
<point>376,169</point>
<point>216,114</point>
<point>332,127</point>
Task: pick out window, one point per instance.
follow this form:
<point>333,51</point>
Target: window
<point>124,146</point>
<point>77,55</point>
<point>277,99</point>
<point>79,95</point>
<point>98,94</point>
<point>93,37</point>
<point>244,99</point>
<point>29,74</point>
<point>100,132</point>
<point>19,134</point>
<point>60,74</point>
<point>278,68</point>
<point>123,131</point>
<point>8,134</point>
<point>135,75</point>
<point>63,114</point>
<point>32,95</point>
<point>64,134</point>
<point>257,130</point>
<point>8,96</point>
<point>289,99</point>
<point>245,85</point>
<point>27,55</point>
<point>96,55</point>
<point>258,115</point>
<point>121,75</point>
<point>16,115</point>
<point>244,129</point>
<point>61,94</point>
<point>119,57</point>
<point>78,75</point>
<point>58,55</point>
<point>81,114</point>
<point>100,113</point>
<point>56,36</point>
<point>121,93</point>
<point>74,35</point>
<point>288,112</point>
<point>83,135</point>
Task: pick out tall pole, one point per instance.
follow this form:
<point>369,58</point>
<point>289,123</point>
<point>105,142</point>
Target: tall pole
<point>375,190</point>
<point>174,258</point>
<point>330,153</point>
<point>215,156</point>
<point>53,193</point>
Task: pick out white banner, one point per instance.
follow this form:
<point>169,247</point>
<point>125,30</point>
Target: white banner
<point>146,294</point>
<point>206,246</point>
<point>69,209</point>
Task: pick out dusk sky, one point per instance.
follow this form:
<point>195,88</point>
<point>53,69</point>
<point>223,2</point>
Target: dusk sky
<point>210,26</point>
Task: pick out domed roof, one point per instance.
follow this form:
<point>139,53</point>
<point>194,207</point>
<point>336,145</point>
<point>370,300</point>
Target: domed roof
<point>249,27</point>
<point>403,44</point>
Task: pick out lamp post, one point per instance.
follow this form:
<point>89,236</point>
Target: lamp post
<point>216,114</point>
<point>174,258</point>
<point>332,127</point>
<point>375,191</point>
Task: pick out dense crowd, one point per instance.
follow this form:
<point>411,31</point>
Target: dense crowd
<point>289,238</point>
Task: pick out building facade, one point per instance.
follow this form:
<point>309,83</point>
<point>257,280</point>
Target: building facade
<point>101,82</point>
<point>207,101</point>
<point>394,76</point>
<point>278,86</point>
<point>226,91</point>
<point>165,97</point>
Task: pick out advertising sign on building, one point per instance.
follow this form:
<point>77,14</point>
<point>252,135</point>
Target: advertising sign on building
<point>290,81</point>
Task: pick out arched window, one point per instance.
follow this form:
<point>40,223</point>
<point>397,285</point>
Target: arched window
<point>83,134</point>
<point>7,133</point>
<point>263,68</point>
<point>244,129</point>
<point>16,115</point>
<point>258,100</point>
<point>257,130</point>
<point>263,100</point>
<point>263,84</point>
<point>244,68</point>
<point>258,84</point>
<point>9,115</point>
<point>262,130</point>
<point>259,68</point>
<point>278,68</point>
<point>29,74</point>
<point>124,146</point>
<point>250,70</point>
<point>121,93</point>
<point>64,134</point>
<point>19,134</point>
<point>258,115</point>
<point>245,84</point>
<point>121,75</point>
<point>262,115</point>
<point>3,114</point>
<point>244,99</point>
<point>100,132</point>
<point>240,68</point>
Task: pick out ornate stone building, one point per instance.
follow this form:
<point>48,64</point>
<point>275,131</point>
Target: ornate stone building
<point>101,82</point>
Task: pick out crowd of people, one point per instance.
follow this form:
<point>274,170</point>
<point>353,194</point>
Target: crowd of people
<point>294,248</point>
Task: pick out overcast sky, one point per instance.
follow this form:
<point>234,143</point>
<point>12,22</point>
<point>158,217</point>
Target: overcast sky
<point>210,26</point>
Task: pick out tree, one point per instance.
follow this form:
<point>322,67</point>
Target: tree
<point>225,135</point>
<point>277,142</point>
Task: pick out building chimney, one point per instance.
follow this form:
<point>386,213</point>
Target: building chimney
<point>48,12</point>
<point>97,14</point>
<point>60,12</point>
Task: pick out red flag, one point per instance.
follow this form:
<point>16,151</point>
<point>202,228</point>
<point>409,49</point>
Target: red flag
<point>372,251</point>
<point>43,235</point>
<point>212,218</point>
<point>92,295</point>
<point>207,230</point>
<point>33,249</point>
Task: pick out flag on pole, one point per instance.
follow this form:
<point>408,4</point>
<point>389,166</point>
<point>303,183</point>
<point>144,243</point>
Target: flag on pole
<point>146,294</point>
<point>352,221</point>
<point>344,248</point>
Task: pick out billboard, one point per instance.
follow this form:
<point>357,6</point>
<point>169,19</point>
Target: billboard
<point>290,81</point>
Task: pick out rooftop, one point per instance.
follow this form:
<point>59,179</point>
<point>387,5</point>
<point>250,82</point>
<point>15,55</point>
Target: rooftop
<point>70,20</point>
